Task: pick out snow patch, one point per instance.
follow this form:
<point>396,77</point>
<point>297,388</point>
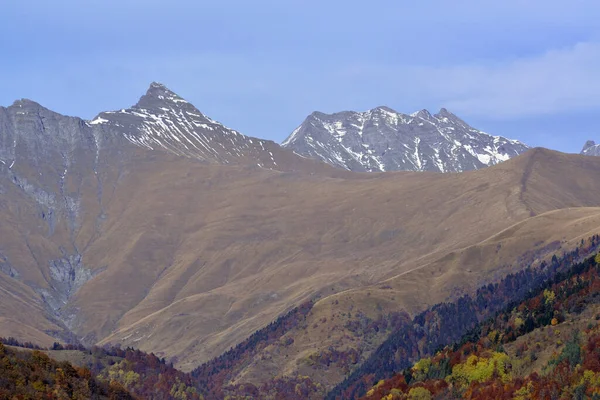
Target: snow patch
<point>98,121</point>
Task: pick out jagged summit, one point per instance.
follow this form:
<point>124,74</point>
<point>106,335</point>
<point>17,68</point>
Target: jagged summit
<point>159,95</point>
<point>158,85</point>
<point>424,113</point>
<point>382,139</point>
<point>163,120</point>
<point>26,106</point>
<point>385,109</point>
<point>591,148</point>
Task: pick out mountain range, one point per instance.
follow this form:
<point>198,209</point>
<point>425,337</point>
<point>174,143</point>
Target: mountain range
<point>163,120</point>
<point>159,228</point>
<point>384,140</point>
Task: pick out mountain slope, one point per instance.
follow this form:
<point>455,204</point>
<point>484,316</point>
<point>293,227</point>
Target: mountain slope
<point>185,254</point>
<point>258,252</point>
<point>355,322</point>
<point>163,120</point>
<point>385,140</point>
<point>56,176</point>
<point>591,149</point>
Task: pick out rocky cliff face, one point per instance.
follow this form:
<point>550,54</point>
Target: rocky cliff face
<point>385,140</point>
<point>591,149</point>
<point>57,166</point>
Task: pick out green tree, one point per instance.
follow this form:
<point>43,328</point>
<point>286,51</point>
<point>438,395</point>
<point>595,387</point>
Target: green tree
<point>419,393</point>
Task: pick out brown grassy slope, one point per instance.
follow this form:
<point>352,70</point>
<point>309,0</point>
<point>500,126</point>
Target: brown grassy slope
<point>441,276</point>
<point>446,278</point>
<point>200,256</point>
<point>22,311</point>
<point>192,257</point>
<point>32,238</point>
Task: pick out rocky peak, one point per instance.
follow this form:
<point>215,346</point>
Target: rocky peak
<point>588,144</point>
<point>29,130</point>
<point>423,114</point>
<point>448,117</point>
<point>159,96</point>
<point>26,104</point>
<point>385,109</point>
<point>382,139</point>
<point>591,148</point>
<point>163,120</point>
<point>444,113</point>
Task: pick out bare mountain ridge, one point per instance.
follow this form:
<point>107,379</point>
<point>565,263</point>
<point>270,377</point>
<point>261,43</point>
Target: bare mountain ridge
<point>185,256</point>
<point>382,139</point>
<point>161,119</point>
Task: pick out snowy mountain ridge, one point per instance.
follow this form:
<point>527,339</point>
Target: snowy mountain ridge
<point>163,120</point>
<point>382,139</point>
<point>591,149</point>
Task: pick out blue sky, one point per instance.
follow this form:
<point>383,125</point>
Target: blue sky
<point>528,70</point>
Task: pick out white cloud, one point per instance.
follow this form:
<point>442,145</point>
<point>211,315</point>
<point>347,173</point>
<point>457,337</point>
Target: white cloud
<point>559,80</point>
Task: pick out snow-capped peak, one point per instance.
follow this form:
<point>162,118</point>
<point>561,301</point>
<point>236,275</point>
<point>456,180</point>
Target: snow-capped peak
<point>591,148</point>
<point>158,94</point>
<point>162,119</point>
<point>424,114</point>
<point>382,139</point>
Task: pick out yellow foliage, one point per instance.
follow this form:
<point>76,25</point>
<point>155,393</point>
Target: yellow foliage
<point>180,391</point>
<point>549,295</point>
<point>524,393</point>
<point>519,322</point>
<point>480,369</point>
<point>423,365</point>
<point>421,368</point>
<point>39,386</point>
<point>597,258</point>
<point>590,379</point>
<point>419,393</point>
<point>493,336</point>
<point>116,373</point>
<point>370,392</point>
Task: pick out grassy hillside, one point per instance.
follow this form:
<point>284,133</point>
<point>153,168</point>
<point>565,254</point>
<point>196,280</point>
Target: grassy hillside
<point>187,260</point>
<point>407,339</point>
<point>533,323</point>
